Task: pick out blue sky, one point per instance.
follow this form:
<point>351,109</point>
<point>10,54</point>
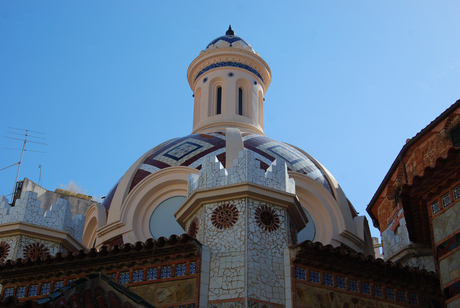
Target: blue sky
<point>106,80</point>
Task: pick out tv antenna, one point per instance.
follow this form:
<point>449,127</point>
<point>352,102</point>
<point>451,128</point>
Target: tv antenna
<point>27,134</point>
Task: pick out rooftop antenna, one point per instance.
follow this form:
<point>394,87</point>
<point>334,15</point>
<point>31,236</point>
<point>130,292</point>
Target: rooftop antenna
<point>27,134</point>
<point>40,176</point>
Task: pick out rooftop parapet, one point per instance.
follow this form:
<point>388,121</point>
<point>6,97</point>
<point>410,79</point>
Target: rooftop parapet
<point>27,209</point>
<point>245,169</point>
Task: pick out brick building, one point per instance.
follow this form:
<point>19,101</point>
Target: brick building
<point>417,206</point>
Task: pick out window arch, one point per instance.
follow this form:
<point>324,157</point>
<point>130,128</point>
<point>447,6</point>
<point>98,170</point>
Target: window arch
<point>240,101</point>
<point>216,101</point>
<point>219,100</point>
<point>243,100</point>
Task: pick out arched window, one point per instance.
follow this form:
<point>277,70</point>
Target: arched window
<point>219,100</point>
<point>240,101</point>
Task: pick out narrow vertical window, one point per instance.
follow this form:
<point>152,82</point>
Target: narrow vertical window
<point>219,100</point>
<point>240,101</point>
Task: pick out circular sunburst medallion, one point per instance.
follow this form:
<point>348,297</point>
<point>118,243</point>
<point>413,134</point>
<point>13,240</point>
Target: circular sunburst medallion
<point>267,219</point>
<point>293,233</point>
<point>35,250</point>
<point>4,251</point>
<point>193,228</point>
<point>224,216</point>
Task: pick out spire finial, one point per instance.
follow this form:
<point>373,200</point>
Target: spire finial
<point>230,31</point>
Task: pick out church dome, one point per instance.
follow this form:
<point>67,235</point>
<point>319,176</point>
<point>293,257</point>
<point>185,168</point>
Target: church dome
<point>190,151</point>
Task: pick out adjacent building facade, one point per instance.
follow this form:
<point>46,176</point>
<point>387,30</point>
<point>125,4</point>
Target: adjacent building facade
<point>417,206</point>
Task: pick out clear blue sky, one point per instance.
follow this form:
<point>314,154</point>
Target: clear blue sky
<point>106,80</point>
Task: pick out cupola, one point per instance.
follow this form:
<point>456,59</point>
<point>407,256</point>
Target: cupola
<point>229,81</point>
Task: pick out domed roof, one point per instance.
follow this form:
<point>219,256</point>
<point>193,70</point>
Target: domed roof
<point>191,150</point>
<point>229,40</point>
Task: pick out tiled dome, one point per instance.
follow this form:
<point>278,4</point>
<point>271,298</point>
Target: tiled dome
<point>229,40</point>
<point>191,150</point>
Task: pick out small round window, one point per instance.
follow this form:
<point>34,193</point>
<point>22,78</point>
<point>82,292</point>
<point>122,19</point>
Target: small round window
<point>162,221</point>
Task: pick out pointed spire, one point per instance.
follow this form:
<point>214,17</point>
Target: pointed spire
<point>230,31</point>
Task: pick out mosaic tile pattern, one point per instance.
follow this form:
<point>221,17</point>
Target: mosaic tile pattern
<point>270,149</point>
<point>341,283</point>
<point>300,273</point>
<point>413,299</point>
<point>227,305</point>
<point>353,285</point>
<point>456,192</point>
<point>182,150</point>
<point>190,151</point>
<point>8,292</point>
<point>314,276</point>
<point>181,269</point>
<point>192,268</point>
<point>138,275</point>
<point>448,245</point>
<point>227,255</point>
<point>124,278</point>
<point>390,294</point>
<point>446,200</point>
<point>378,291</point>
<point>231,39</point>
<point>187,151</point>
<point>59,216</point>
<point>266,249</point>
<point>365,288</point>
<point>152,273</point>
<point>435,207</point>
<point>113,276</point>
<point>402,297</point>
<point>327,280</point>
<point>58,285</point>
<point>33,290</point>
<point>229,64</point>
<point>45,289</point>
<point>166,272</point>
<point>21,292</point>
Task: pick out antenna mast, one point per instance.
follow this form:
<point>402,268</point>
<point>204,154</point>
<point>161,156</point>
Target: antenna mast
<point>25,134</point>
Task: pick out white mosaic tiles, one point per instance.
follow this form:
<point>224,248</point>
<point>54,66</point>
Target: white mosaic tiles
<point>245,169</point>
<point>19,242</point>
<point>59,216</point>
<point>245,252</point>
<point>265,256</point>
<point>246,259</point>
<point>393,243</point>
<point>227,248</point>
